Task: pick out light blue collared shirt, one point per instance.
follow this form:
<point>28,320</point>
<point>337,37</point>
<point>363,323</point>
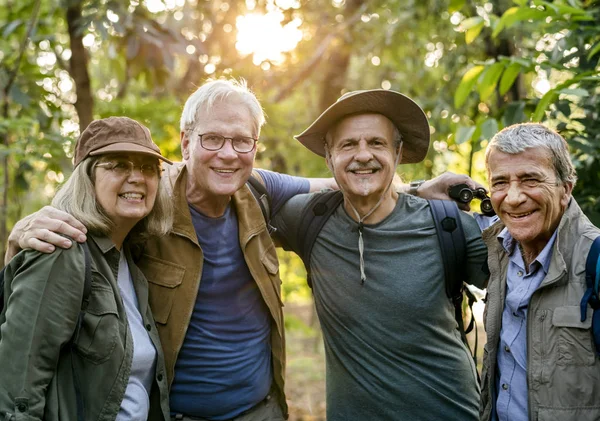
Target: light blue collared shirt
<point>511,378</point>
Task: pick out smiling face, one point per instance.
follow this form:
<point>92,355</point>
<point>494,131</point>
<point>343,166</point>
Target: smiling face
<point>362,156</point>
<point>214,176</point>
<point>527,196</point>
<point>126,196</point>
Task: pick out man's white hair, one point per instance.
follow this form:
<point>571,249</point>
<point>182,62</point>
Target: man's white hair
<point>519,137</point>
<point>214,91</point>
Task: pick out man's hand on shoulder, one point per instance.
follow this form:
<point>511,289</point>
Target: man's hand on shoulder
<point>43,231</point>
<point>437,188</point>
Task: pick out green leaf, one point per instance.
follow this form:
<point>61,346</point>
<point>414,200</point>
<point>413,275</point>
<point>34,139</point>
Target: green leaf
<point>489,80</point>
<point>456,5</point>
<point>463,134</point>
<point>473,32</point>
<point>540,110</point>
<point>489,128</point>
<point>575,91</point>
<point>508,77</point>
<point>518,14</point>
<point>466,85</point>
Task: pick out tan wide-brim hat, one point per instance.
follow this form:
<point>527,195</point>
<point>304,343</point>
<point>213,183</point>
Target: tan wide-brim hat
<point>406,115</point>
<point>114,135</point>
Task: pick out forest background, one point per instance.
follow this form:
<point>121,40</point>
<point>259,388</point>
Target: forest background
<point>474,66</point>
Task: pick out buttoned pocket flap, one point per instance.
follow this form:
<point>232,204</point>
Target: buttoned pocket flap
<point>161,272</point>
<point>269,260</point>
<point>570,316</point>
<point>102,301</point>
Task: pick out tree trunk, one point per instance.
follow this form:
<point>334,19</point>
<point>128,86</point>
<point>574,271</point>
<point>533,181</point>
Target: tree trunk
<point>84,104</point>
<point>338,63</point>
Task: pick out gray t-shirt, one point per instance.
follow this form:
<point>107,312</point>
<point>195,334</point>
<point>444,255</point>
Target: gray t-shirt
<point>392,348</point>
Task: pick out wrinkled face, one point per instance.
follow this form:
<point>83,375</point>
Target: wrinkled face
<point>362,155</point>
<point>527,195</point>
<point>126,195</point>
<point>219,174</point>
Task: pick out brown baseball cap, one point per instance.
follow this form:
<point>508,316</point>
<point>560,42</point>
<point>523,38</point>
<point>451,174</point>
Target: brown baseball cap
<point>115,134</point>
<point>406,115</point>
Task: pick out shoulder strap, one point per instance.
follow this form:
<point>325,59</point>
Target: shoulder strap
<point>453,247</point>
<point>261,195</point>
<point>452,244</point>
<point>87,290</point>
<point>2,289</point>
<point>591,295</point>
<point>315,214</point>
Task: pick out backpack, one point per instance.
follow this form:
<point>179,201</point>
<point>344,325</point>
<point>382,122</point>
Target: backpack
<point>87,289</point>
<point>591,295</point>
<point>449,231</point>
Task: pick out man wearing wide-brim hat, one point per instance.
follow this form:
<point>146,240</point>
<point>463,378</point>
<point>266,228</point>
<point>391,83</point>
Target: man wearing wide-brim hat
<point>392,348</point>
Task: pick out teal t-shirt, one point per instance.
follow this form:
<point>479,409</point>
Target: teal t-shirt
<point>392,348</point>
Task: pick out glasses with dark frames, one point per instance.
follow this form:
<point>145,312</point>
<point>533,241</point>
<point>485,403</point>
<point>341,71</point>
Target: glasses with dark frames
<point>125,168</point>
<point>214,142</point>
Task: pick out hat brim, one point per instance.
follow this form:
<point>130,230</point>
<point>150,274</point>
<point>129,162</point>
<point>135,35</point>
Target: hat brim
<point>406,115</point>
<point>129,147</point>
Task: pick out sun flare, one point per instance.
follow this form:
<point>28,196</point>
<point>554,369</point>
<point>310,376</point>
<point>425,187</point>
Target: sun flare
<point>265,38</point>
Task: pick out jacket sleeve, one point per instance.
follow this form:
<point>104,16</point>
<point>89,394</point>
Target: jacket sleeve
<point>44,294</point>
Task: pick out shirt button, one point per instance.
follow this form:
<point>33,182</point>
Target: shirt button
<point>519,273</point>
<point>159,377</point>
<point>506,348</point>
<point>504,386</point>
<point>148,327</point>
<point>21,407</point>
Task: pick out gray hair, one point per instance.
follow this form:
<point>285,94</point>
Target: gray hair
<point>77,196</point>
<point>519,137</point>
<point>214,91</point>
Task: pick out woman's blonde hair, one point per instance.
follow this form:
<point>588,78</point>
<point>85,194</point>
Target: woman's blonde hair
<point>77,197</point>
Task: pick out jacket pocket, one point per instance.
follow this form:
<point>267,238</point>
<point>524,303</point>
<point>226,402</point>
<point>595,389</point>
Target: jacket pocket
<point>271,264</point>
<point>98,335</point>
<point>575,342</point>
<point>163,279</point>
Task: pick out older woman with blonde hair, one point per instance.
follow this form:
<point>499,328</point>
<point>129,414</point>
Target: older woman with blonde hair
<point>66,354</point>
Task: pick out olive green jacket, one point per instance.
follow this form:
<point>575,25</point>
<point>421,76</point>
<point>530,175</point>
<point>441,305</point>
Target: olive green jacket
<point>173,266</point>
<point>563,372</point>
<point>43,296</point>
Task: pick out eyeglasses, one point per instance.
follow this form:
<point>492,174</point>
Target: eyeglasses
<point>124,168</point>
<point>214,142</point>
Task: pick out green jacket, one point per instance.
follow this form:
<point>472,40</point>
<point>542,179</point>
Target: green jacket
<point>563,372</point>
<point>43,295</point>
<point>173,266</point>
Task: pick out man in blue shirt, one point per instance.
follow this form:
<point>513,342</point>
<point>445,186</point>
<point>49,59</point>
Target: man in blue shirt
<point>539,361</point>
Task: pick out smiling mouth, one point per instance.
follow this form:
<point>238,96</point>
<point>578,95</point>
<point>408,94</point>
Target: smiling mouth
<point>520,215</point>
<point>132,196</point>
<point>224,171</point>
<point>365,172</point>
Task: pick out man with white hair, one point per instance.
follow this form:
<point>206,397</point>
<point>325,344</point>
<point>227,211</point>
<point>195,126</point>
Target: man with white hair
<point>214,280</point>
<point>539,361</point>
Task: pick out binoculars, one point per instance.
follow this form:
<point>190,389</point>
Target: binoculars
<point>463,193</point>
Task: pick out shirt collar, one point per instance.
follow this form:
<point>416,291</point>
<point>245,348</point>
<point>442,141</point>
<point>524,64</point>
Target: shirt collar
<point>509,243</point>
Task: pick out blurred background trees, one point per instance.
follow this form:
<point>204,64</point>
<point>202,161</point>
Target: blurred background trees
<point>475,66</point>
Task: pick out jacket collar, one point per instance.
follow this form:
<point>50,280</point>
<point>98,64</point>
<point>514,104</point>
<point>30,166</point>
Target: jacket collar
<point>250,218</point>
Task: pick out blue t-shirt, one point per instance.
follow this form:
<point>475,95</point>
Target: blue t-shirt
<point>224,366</point>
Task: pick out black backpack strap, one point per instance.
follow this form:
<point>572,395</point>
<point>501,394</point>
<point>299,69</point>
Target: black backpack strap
<point>87,290</point>
<point>261,195</point>
<point>453,247</point>
<point>313,217</point>
<point>591,296</point>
